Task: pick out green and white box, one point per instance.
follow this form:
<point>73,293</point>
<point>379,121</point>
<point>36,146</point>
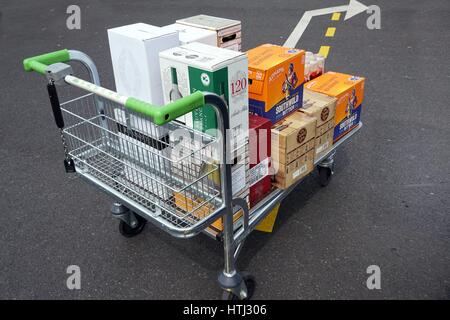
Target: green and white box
<point>199,67</point>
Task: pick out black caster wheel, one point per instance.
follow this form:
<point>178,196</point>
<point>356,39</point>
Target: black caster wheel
<point>325,175</point>
<point>249,281</point>
<point>127,231</point>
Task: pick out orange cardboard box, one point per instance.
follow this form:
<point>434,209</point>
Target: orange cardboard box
<point>200,210</point>
<point>349,92</point>
<point>276,76</point>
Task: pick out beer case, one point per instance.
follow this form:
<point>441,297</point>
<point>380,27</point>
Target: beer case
<point>293,142</point>
<point>323,144</point>
<point>276,76</point>
<point>322,107</point>
<point>349,92</point>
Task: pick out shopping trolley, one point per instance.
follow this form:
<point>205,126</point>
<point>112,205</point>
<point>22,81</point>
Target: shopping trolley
<point>155,168</point>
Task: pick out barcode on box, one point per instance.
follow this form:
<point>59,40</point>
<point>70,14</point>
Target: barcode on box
<point>322,147</point>
<point>299,171</point>
<point>259,171</point>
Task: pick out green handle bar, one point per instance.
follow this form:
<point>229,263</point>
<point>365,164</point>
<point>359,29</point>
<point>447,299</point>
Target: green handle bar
<point>40,63</point>
<point>163,114</point>
<point>160,114</point>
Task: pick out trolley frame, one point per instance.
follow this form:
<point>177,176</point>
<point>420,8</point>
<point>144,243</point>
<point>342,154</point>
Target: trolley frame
<point>235,284</point>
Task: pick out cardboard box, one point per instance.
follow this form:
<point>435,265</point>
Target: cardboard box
<point>325,127</point>
<point>322,107</point>
<point>237,214</point>
<point>349,92</point>
<point>290,173</point>
<point>228,32</point>
<point>206,68</point>
<point>189,203</point>
<point>135,58</point>
<point>135,139</point>
<point>275,81</point>
<point>295,134</point>
<point>240,172</point>
<point>323,144</point>
<point>259,153</point>
<point>318,105</point>
<point>293,141</point>
<point>188,34</point>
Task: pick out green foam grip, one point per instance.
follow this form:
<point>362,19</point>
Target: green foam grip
<point>164,114</point>
<point>40,63</point>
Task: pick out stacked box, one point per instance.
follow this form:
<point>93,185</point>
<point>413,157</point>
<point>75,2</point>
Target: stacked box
<point>202,67</point>
<point>188,34</point>
<point>259,153</point>
<point>293,141</point>
<point>276,76</point>
<point>321,107</point>
<point>135,57</point>
<point>197,66</point>
<point>228,32</point>
<point>349,92</point>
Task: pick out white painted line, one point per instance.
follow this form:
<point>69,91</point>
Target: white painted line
<point>354,7</point>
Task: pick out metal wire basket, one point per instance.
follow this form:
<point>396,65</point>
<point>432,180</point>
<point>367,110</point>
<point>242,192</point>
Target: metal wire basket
<point>166,169</point>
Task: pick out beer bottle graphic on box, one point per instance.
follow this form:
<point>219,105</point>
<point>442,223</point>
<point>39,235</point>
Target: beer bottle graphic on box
<point>175,93</point>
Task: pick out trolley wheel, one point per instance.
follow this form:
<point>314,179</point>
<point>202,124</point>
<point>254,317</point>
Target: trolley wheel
<point>128,231</point>
<point>325,174</point>
<point>250,283</point>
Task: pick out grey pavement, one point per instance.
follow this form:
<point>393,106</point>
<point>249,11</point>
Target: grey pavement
<point>387,205</point>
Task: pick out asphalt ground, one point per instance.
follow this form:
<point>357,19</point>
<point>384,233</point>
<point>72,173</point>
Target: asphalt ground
<point>387,205</point>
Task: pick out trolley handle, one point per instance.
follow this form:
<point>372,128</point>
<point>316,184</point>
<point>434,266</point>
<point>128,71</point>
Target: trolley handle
<point>41,62</point>
<point>160,114</point>
<point>164,114</point>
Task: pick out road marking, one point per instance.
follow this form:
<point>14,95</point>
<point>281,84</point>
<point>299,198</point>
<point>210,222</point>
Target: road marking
<point>330,32</point>
<point>324,50</point>
<point>336,16</point>
<point>300,28</point>
<point>353,8</point>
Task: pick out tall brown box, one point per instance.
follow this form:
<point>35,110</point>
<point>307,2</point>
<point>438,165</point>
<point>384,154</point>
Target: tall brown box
<point>293,141</point>
<point>322,107</point>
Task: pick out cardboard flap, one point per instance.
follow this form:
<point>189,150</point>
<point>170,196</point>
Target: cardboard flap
<point>255,81</point>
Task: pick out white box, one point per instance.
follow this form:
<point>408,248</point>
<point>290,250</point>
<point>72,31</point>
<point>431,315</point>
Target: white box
<point>188,34</point>
<point>228,32</point>
<point>206,68</point>
<point>134,54</point>
<point>136,142</point>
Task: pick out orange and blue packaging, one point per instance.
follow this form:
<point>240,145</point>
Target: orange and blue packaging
<point>349,92</point>
<point>276,76</point>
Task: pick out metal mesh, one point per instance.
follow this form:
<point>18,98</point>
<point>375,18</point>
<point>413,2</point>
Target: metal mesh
<point>168,167</point>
